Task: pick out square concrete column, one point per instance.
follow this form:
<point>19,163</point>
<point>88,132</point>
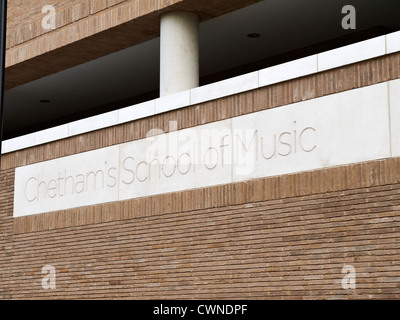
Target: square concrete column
<point>179,56</point>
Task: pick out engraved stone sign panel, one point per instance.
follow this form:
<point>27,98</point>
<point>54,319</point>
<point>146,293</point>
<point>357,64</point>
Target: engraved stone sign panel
<point>338,129</point>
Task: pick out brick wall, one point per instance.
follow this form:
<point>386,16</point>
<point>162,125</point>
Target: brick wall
<point>287,247</point>
<point>278,237</point>
<point>6,229</point>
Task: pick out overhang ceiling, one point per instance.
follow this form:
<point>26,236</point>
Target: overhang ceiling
<point>132,75</point>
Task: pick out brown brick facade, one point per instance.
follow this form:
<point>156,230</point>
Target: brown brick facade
<point>278,237</point>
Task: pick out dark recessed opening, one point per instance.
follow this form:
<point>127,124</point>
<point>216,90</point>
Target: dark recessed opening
<point>254,35</point>
<point>45,101</point>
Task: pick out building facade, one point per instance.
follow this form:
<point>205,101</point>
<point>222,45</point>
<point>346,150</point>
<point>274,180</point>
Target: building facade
<point>224,161</point>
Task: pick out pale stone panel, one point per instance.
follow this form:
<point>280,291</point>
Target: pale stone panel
<point>393,42</point>
<point>395,116</point>
<point>173,101</point>
<point>93,123</point>
<point>225,88</point>
<point>74,181</point>
<point>137,111</point>
<point>353,53</point>
<point>339,129</point>
<point>186,159</point>
<point>290,70</point>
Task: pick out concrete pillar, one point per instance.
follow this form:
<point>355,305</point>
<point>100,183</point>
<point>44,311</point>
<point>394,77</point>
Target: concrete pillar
<point>179,56</point>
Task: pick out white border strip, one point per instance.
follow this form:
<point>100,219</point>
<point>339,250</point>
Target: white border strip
<point>353,53</point>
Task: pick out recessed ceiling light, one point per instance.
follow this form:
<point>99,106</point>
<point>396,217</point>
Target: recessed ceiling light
<point>254,35</point>
<point>44,101</point>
